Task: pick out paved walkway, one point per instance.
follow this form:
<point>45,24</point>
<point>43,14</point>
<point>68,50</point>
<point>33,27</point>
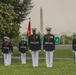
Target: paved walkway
<point>16,57</point>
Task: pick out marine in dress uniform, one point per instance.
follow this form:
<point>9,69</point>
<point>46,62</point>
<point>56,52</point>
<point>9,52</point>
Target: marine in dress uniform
<point>49,47</point>
<point>23,47</point>
<point>10,50</point>
<point>34,46</point>
<point>5,51</point>
<point>74,48</point>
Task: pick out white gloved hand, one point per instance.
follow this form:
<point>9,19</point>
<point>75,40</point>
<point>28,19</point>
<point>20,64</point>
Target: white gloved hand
<point>30,51</point>
<point>53,50</point>
<point>44,50</point>
<point>39,50</point>
<point>73,50</point>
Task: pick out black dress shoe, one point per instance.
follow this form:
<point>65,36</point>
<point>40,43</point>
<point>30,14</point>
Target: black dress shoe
<point>36,67</point>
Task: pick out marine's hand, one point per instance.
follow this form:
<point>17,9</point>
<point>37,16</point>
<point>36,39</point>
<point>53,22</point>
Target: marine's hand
<point>2,53</point>
<point>44,50</point>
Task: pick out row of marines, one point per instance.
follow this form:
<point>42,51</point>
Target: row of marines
<point>34,45</point>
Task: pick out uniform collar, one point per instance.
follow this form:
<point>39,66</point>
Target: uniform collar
<point>48,34</point>
<point>34,34</point>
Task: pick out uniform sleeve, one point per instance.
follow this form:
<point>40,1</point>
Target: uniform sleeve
<point>53,43</point>
<point>2,46</point>
<point>44,42</point>
<point>29,41</point>
<point>26,45</point>
<point>73,44</point>
<point>19,46</point>
<point>11,46</point>
<point>39,43</point>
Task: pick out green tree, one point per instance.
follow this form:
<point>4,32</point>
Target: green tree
<point>15,41</point>
<point>7,15</point>
<point>73,35</point>
<point>68,39</point>
<point>12,13</point>
<point>21,7</point>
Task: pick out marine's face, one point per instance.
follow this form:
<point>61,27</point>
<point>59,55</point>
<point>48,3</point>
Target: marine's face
<point>34,32</point>
<point>8,40</point>
<point>5,40</point>
<point>48,32</point>
<point>75,36</point>
<point>22,39</point>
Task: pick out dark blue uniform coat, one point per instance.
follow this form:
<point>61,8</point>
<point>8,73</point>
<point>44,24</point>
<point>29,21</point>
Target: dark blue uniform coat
<point>49,42</point>
<point>74,44</point>
<point>23,47</point>
<point>34,42</point>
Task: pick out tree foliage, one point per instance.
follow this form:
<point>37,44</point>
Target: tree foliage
<point>12,13</point>
<point>21,7</point>
<point>67,39</point>
<point>7,15</point>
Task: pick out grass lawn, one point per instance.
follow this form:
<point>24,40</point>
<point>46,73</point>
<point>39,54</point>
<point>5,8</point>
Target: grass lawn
<point>65,53</point>
<point>61,67</point>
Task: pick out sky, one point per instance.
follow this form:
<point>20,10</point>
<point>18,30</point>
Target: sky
<point>60,15</point>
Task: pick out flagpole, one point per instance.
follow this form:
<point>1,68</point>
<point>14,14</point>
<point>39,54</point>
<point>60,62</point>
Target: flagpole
<point>29,29</point>
<point>29,19</point>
